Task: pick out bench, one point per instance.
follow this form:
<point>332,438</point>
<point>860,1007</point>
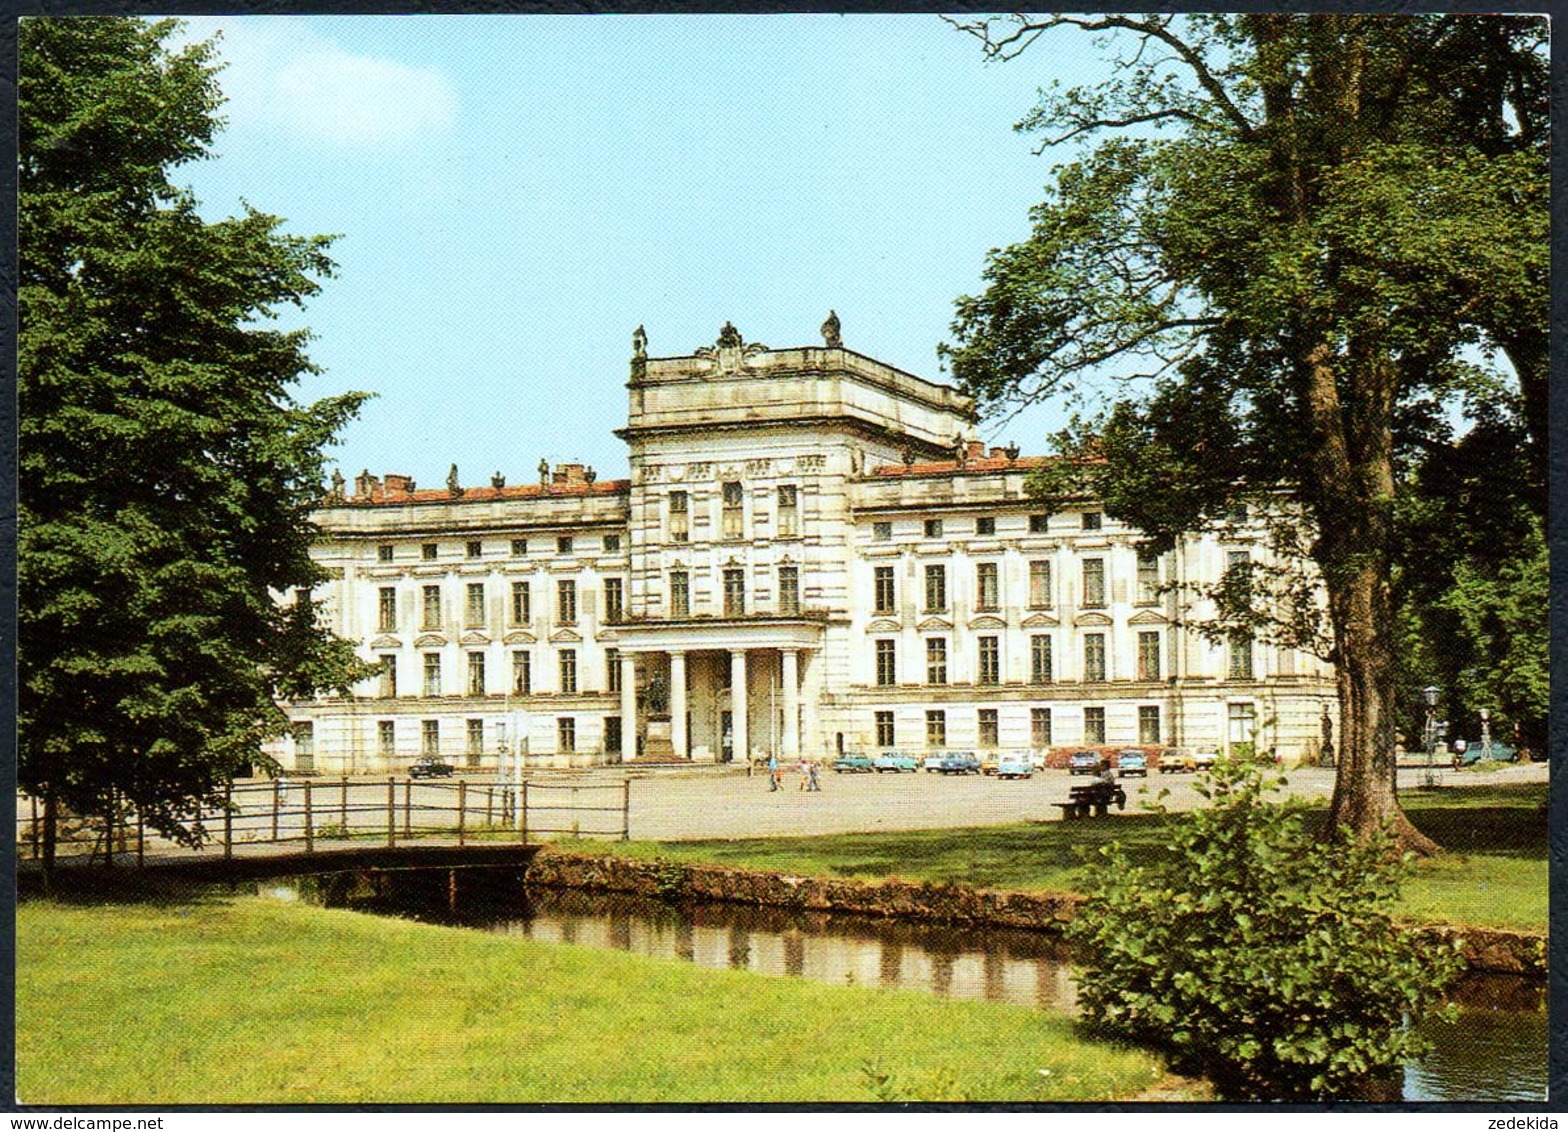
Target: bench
<point>1095,798</point>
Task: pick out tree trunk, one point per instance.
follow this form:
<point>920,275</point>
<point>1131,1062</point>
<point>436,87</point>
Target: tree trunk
<point>51,823</point>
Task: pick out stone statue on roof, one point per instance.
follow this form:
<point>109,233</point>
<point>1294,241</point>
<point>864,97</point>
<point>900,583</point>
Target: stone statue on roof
<point>729,336</point>
<point>960,450</point>
<point>452,486</point>
<point>498,481</point>
<point>337,485</point>
<point>830,331</point>
<point>639,342</point>
<point>544,472</point>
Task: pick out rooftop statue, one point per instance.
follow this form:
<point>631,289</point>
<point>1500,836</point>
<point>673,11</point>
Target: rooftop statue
<point>830,331</point>
<point>639,342</point>
<point>729,336</point>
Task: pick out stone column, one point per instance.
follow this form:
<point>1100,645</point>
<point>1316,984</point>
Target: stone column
<point>628,664</point>
<point>738,700</point>
<point>791,678</point>
<point>678,738</point>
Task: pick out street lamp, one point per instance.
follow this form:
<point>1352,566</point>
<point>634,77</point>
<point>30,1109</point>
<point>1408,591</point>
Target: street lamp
<point>1486,734</point>
<point>1429,694</point>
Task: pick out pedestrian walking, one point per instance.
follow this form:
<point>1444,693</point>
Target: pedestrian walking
<point>812,782</point>
<point>773,773</point>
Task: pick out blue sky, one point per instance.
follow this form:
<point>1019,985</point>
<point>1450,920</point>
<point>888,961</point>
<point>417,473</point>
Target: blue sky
<point>515,194</point>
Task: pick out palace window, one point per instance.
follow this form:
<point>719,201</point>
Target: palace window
<point>563,544</point>
<point>1148,578</point>
<point>733,511</point>
<point>936,729</point>
<point>1149,656</point>
<point>988,727</point>
<point>885,594</point>
<point>613,610</point>
<point>474,549</point>
<point>1039,524</point>
<point>936,660</point>
<point>789,514</point>
<point>476,674</point>
<point>933,528</point>
<point>887,663</point>
<point>1149,725</point>
<point>679,517</point>
<point>1242,720</point>
<point>936,588</point>
<point>566,601</point>
<point>432,608</point>
<point>522,674</point>
<point>1094,725</point>
<point>990,661</point>
<point>1040,584</point>
<point>884,729</point>
<point>612,544</point>
<point>881,532</point>
<point>428,551</point>
<point>386,738</point>
<point>522,608</point>
<point>568,671</point>
<point>384,552</point>
<point>789,590</point>
<point>734,592</point>
<point>566,734</point>
<point>1241,656</point>
<point>1040,658</point>
<point>430,736</point>
<point>519,548</point>
<point>988,595</point>
<point>680,593</point>
<point>985,525</point>
<point>474,612</point>
<point>612,733</point>
<point>1094,583</point>
<point>612,670</point>
<point>432,674</point>
<point>388,685</point>
<point>1091,520</point>
<point>1040,726</point>
<point>386,610</point>
<point>476,741</point>
<point>1094,658</point>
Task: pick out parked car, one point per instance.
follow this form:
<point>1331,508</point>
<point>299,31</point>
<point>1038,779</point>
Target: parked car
<point>1129,763</point>
<point>1474,753</point>
<point>1015,766</point>
<point>896,762</point>
<point>958,762</point>
<point>1083,762</point>
<point>1180,759</point>
<point>933,763</point>
<point>989,764</point>
<point>854,764</point>
<point>428,766</point>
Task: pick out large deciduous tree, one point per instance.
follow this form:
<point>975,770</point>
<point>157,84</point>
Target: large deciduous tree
<point>166,473</point>
<point>1305,233</point>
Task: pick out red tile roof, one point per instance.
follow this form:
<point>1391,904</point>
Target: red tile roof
<point>972,466</point>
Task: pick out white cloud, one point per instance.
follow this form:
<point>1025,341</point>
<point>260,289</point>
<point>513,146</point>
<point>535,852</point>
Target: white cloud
<point>284,77</point>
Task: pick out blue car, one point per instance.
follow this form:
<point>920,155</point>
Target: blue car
<point>1129,763</point>
<point>896,762</point>
<point>958,763</point>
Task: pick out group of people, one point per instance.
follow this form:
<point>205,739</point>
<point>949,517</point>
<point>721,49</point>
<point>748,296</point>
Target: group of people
<point>807,769</point>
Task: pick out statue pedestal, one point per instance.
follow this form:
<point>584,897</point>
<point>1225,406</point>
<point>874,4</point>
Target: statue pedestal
<point>656,745</point>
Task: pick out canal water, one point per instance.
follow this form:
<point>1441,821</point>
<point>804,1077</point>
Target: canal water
<point>1496,1051</point>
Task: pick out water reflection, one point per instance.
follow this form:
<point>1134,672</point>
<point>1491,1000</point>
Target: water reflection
<point>1496,1051</point>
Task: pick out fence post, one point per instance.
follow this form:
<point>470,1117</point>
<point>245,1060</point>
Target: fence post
<point>141,839</point>
<point>626,809</point>
<point>310,833</point>
<point>34,801</point>
<point>228,821</point>
<point>343,816</point>
<point>462,808</point>
<point>391,812</point>
<point>522,813</point>
<point>408,793</point>
<point>277,793</point>
<point>489,805</point>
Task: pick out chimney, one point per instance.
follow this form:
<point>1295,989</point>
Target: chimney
<point>570,474</point>
<point>977,450</point>
<point>403,485</point>
<point>366,486</point>
<point>998,453</point>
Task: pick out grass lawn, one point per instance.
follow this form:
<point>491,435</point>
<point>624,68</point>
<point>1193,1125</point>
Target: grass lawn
<point>246,1000</point>
<point>1493,875</point>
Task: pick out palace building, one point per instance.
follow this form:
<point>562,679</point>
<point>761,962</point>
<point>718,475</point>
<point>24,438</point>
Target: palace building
<point>811,554</point>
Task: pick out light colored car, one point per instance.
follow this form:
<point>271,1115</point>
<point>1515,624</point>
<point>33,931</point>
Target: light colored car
<point>896,762</point>
<point>1015,766</point>
<point>1129,763</point>
<point>933,763</point>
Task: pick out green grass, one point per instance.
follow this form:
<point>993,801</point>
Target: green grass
<point>1494,873</point>
<point>215,1000</point>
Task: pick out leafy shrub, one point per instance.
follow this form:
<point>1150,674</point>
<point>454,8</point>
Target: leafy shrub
<point>1257,954</point>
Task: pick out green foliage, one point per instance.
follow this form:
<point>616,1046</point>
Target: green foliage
<point>1257,953</point>
<point>166,473</point>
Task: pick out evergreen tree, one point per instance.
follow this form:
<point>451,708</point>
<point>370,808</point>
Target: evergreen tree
<point>1297,228</point>
<point>166,474</point>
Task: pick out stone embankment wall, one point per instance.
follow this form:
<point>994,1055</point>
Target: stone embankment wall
<point>1493,951</point>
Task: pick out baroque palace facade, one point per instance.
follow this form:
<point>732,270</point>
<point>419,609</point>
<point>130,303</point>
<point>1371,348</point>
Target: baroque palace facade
<point>810,555</point>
